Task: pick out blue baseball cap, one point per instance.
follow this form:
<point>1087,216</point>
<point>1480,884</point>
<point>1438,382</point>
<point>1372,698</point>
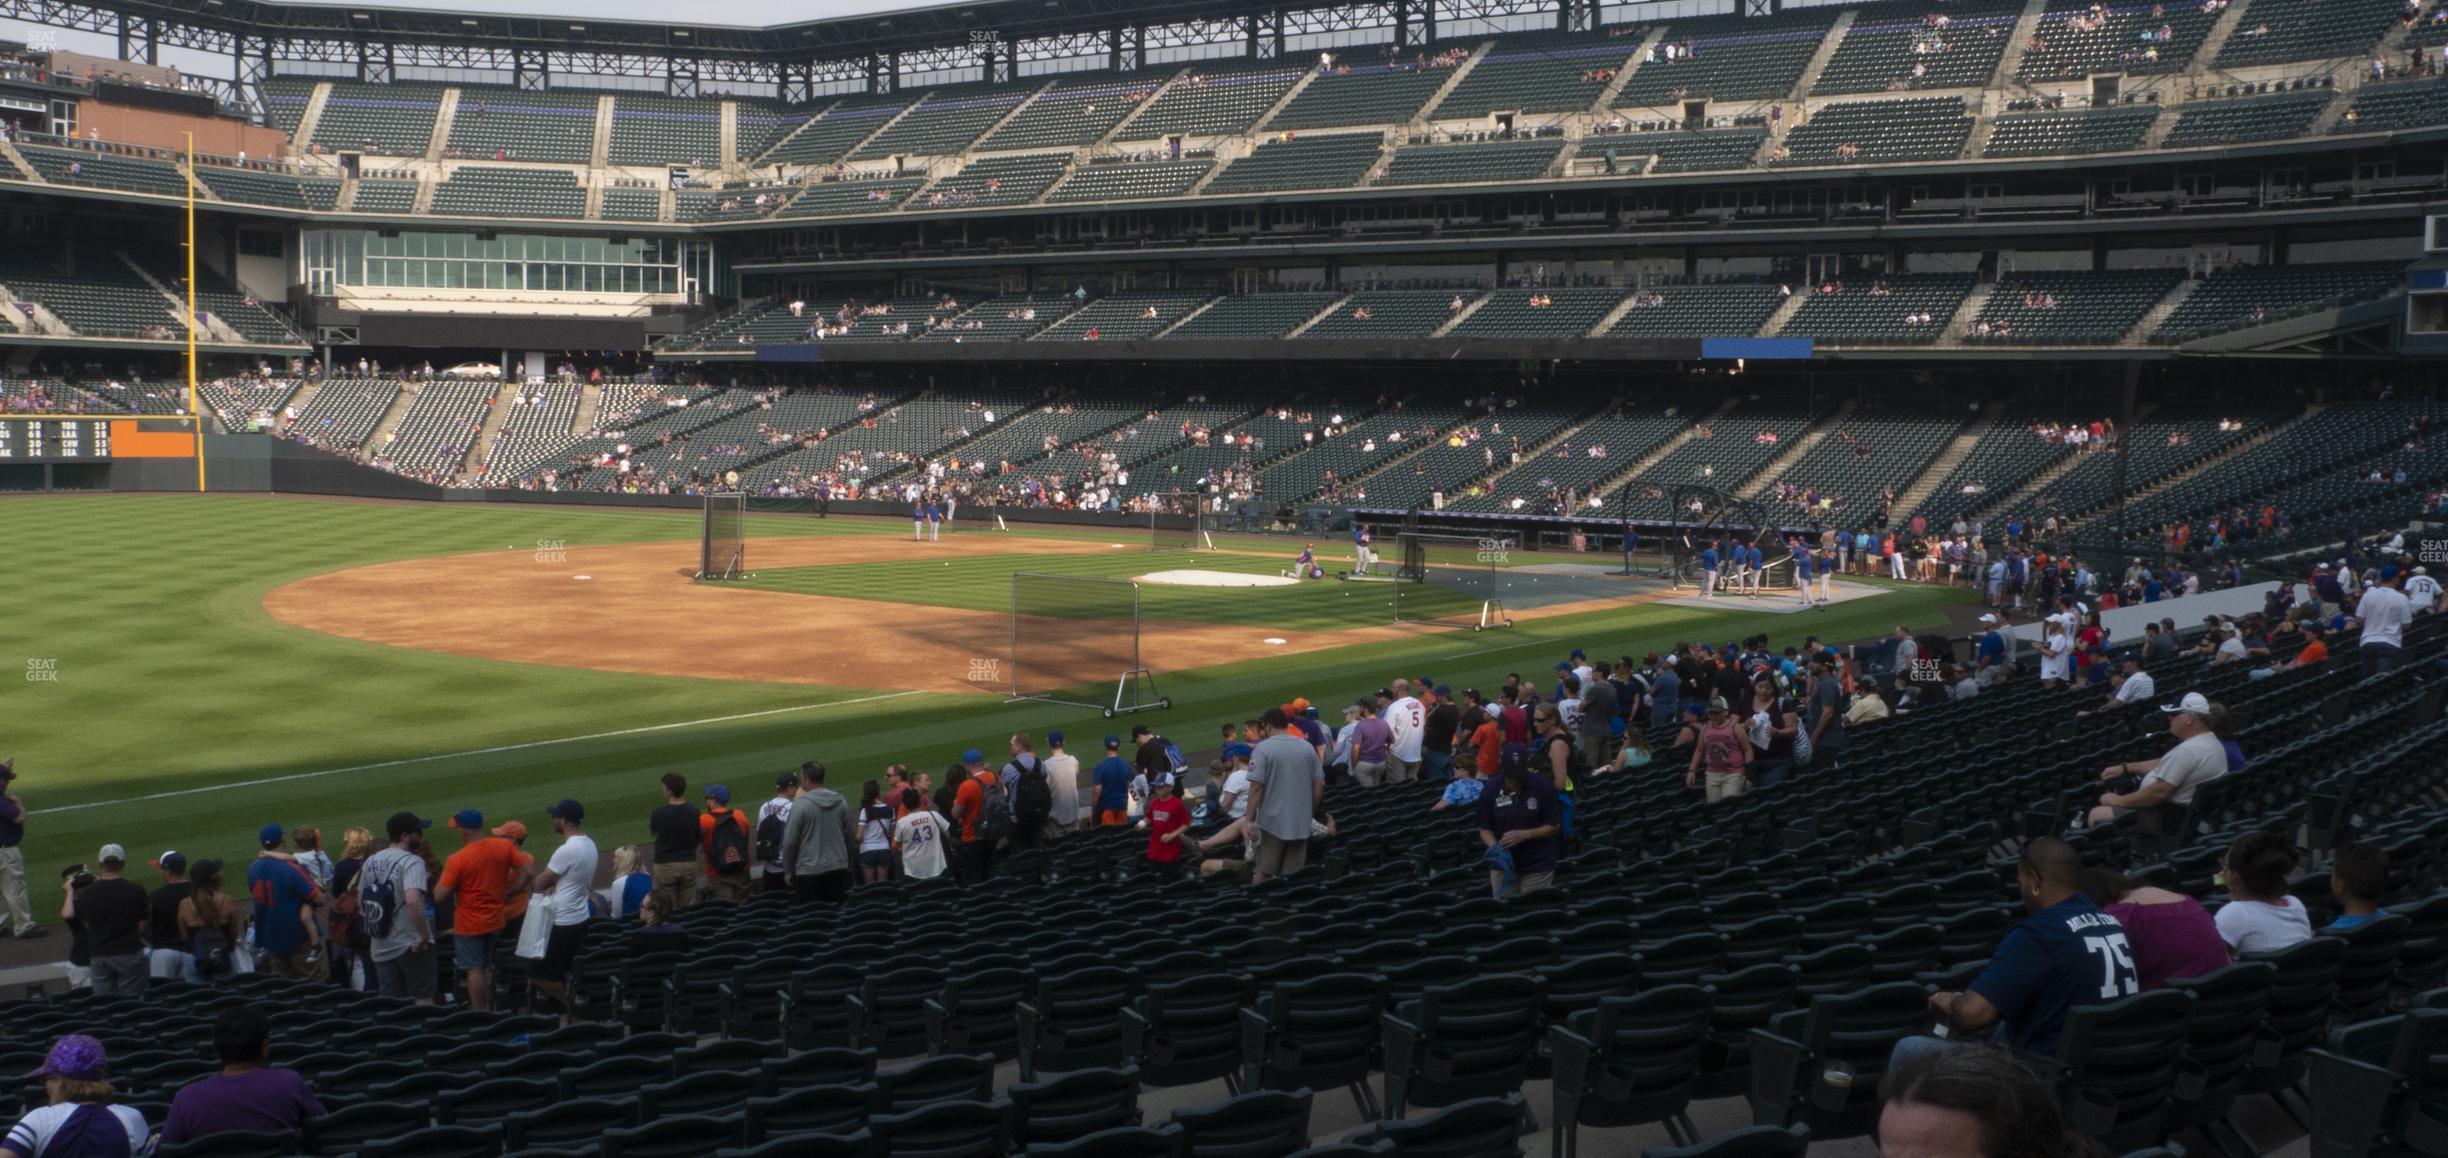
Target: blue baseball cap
<point>1054,737</point>
<point>1563,667</point>
<point>468,818</point>
<point>1444,692</point>
<point>1112,741</point>
<point>1237,751</point>
<point>271,834</point>
<point>973,756</point>
<point>567,810</point>
<point>718,793</point>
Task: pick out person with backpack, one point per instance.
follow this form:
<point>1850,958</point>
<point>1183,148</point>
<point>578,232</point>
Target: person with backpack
<point>210,924</point>
<point>875,830</point>
<point>1158,758</point>
<point>729,848</point>
<point>1032,793</point>
<point>772,818</point>
<point>983,810</point>
<point>816,844</point>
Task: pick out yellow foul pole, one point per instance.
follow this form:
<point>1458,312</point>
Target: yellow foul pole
<point>195,409</point>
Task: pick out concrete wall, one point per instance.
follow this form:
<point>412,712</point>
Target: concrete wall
<point>162,130</point>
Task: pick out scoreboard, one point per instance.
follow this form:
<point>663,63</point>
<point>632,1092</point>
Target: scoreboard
<point>55,439</point>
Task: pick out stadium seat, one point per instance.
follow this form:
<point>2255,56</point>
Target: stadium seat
<point>1857,1030</point>
<point>235,1144</point>
<point>567,1122</point>
<point>1317,1032</point>
<point>1119,1142</point>
<point>1074,1105</point>
<point>1251,1125</point>
<point>1632,1060</point>
<point>1477,1128</point>
<point>1747,1142</point>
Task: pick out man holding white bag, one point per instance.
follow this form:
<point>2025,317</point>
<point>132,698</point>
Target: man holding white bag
<point>564,890</point>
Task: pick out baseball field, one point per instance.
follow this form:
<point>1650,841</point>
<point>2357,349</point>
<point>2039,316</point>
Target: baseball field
<point>178,670</point>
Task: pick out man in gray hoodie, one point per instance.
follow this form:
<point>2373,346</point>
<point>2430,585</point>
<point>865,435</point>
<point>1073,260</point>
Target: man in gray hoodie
<point>816,843</point>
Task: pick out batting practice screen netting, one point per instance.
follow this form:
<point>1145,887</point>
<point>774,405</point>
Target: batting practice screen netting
<point>1453,579</point>
<point>1178,529</point>
<point>1075,641</point>
<point>724,550</point>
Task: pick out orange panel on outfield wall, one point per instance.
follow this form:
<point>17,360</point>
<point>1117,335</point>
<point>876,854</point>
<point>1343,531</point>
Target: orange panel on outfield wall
<point>129,440</point>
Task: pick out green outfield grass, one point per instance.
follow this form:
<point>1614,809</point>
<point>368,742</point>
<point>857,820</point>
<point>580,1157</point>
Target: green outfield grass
<point>984,583</point>
<point>150,700</point>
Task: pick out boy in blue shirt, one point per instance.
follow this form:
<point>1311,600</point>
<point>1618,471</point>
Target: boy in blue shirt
<point>2358,878</point>
<point>1112,781</point>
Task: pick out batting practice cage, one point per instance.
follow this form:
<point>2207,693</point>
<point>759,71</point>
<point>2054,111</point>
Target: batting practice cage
<point>1072,638</point>
<point>1705,515</point>
<point>724,549</point>
<point>1177,527</point>
<point>1455,580</point>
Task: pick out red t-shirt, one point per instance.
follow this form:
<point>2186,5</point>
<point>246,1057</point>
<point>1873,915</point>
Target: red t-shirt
<point>481,874</point>
<point>1166,817</point>
<point>1488,741</point>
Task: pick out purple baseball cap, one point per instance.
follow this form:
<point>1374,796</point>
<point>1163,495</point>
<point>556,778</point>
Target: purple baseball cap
<point>76,1057</point>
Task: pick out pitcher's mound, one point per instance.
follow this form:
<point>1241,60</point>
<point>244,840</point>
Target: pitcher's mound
<point>1217,579</point>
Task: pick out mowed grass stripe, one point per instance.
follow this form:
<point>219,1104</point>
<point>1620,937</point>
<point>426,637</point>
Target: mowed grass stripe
<point>984,583</point>
<point>171,676</point>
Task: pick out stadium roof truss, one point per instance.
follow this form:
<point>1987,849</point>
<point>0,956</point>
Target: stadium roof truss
<point>989,40</point>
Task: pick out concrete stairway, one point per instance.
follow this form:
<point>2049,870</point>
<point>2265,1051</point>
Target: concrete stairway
<point>1421,115</point>
<point>2018,42</point>
<point>1946,462</point>
<point>600,151</point>
<point>590,404</point>
<point>1289,95</point>
<point>1459,316</point>
<point>1784,314</point>
<point>1115,133</point>
<point>1969,312</point>
<point>480,452</point>
<point>312,118</point>
<point>1784,461</point>
<point>2221,30</point>
<point>2158,314</point>
<point>1317,317</point>
<point>1825,53</point>
<point>1184,320</point>
<point>1640,52</point>
<point>443,118</point>
<point>378,440</point>
<point>1609,485</point>
<point>2231,453</point>
<point>214,329</point>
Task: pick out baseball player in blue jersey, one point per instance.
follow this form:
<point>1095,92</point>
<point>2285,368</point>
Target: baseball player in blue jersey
<point>1737,565</point>
<point>1758,566</point>
<point>1708,570</point>
<point>1362,555</point>
<point>1802,569</point>
<point>926,518</point>
<point>1306,567</point>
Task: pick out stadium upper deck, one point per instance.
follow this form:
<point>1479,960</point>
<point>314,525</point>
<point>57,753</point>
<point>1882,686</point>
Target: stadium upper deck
<point>1833,92</point>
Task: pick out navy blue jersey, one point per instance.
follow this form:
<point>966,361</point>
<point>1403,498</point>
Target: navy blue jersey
<point>2065,955</point>
<point>1756,558</point>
